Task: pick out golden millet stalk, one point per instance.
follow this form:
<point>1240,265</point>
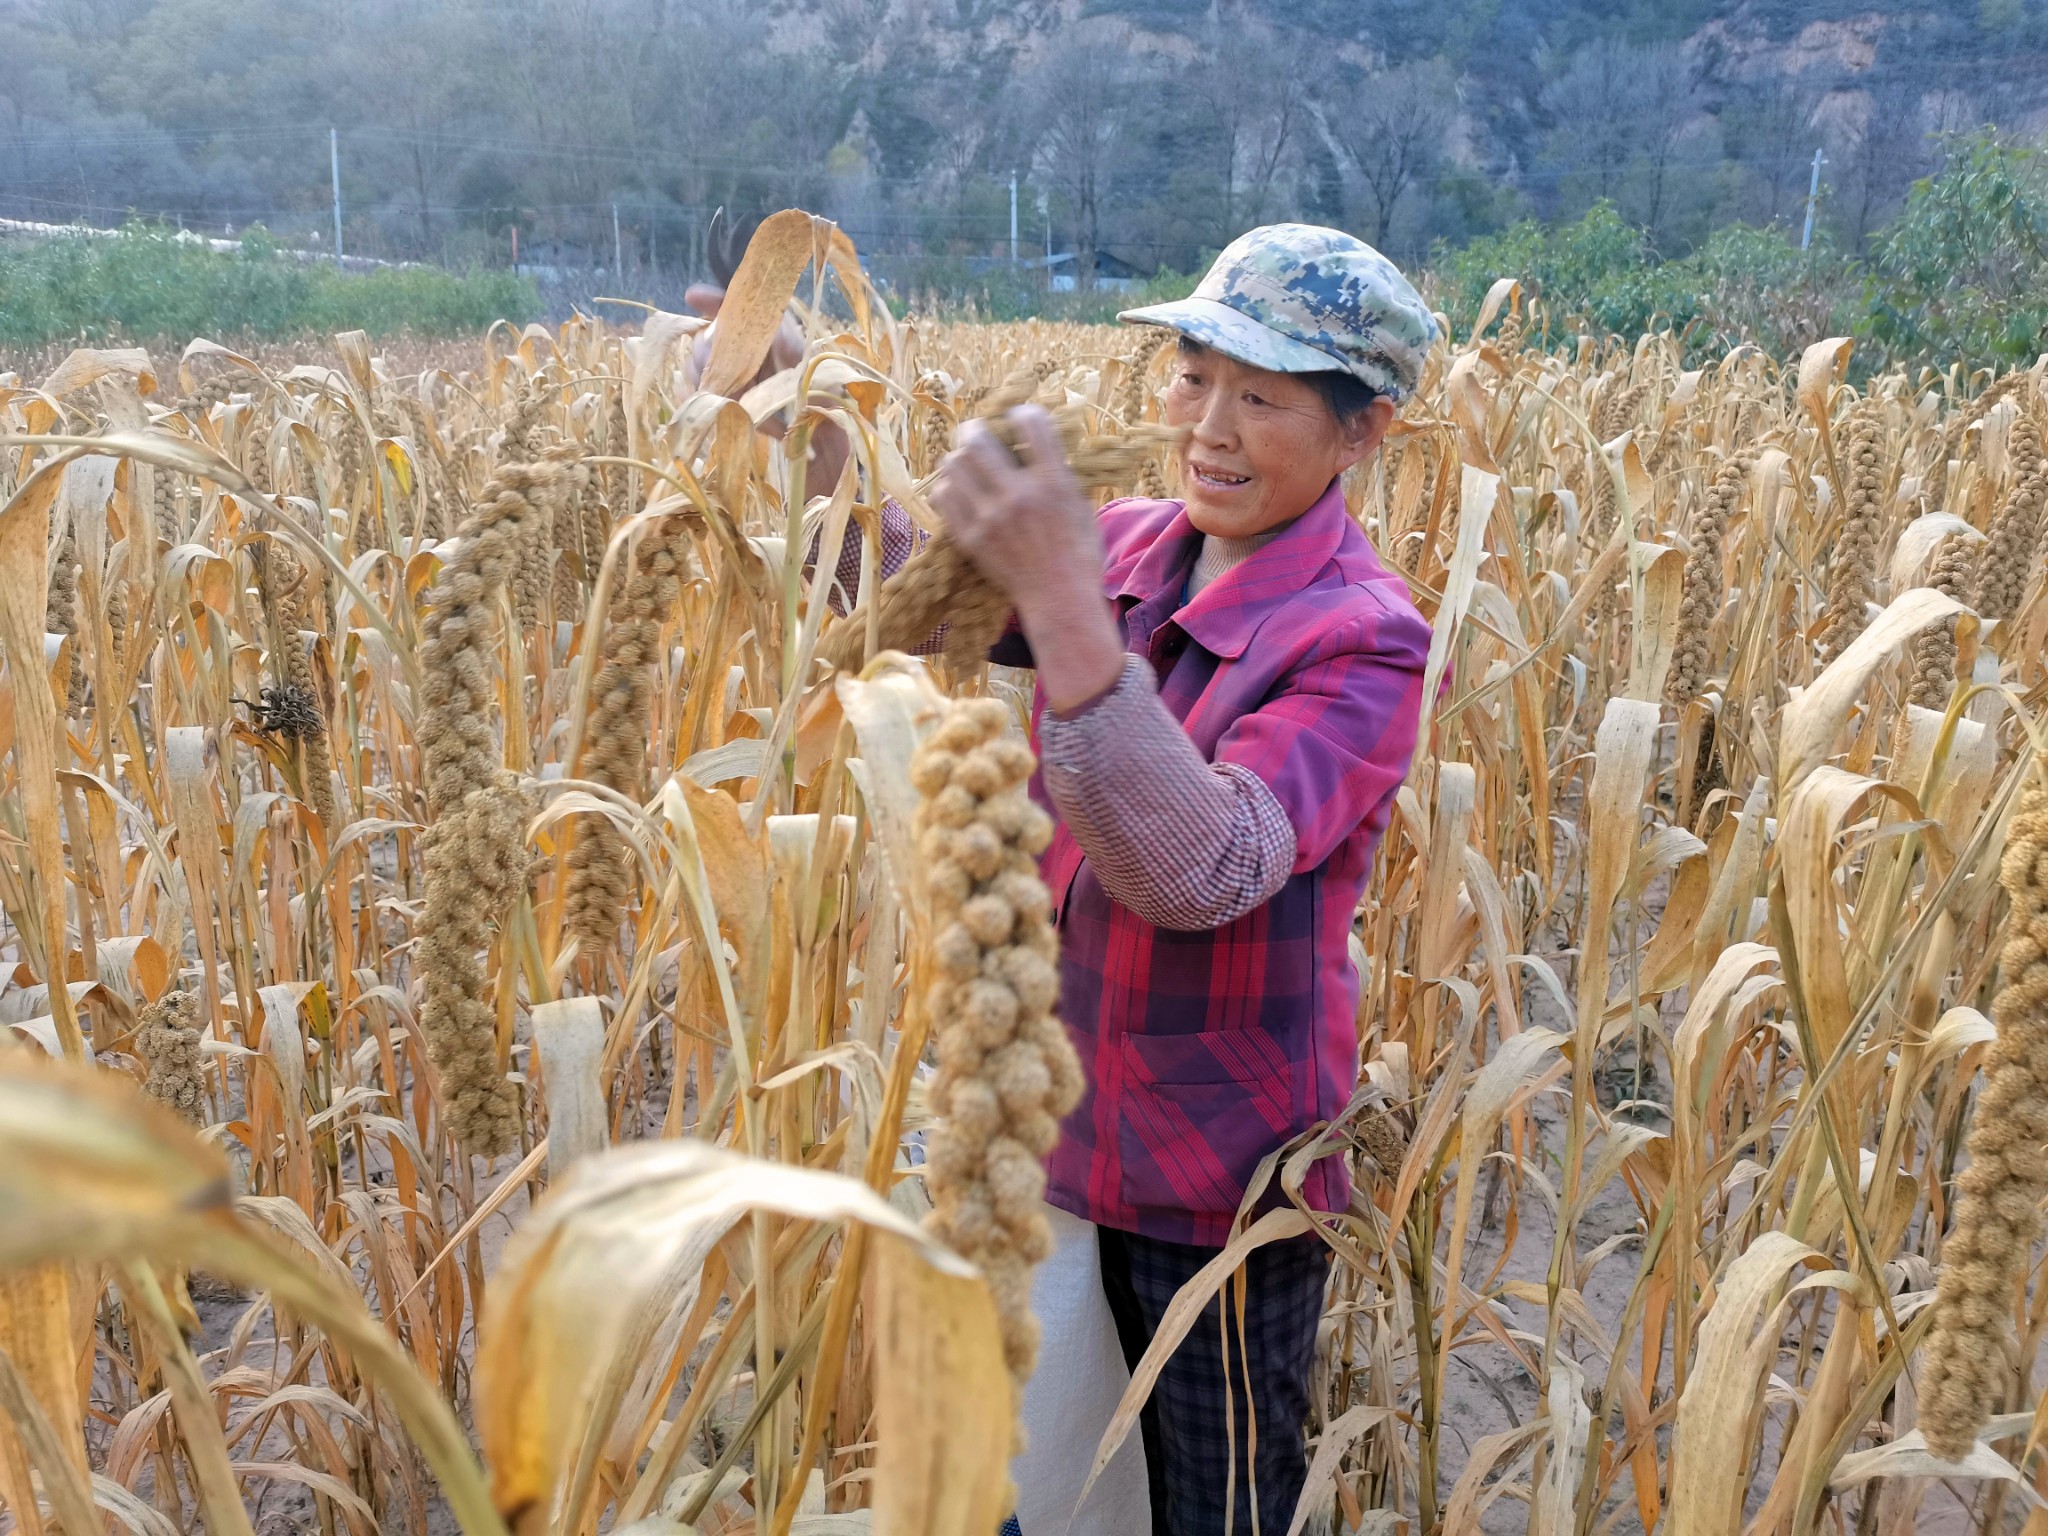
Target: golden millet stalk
<point>216,389</point>
<point>297,706</point>
<point>117,621</point>
<point>476,856</point>
<point>431,466</point>
<point>1852,566</point>
<point>1704,579</point>
<point>535,575</point>
<point>2014,531</point>
<point>1381,1136</point>
<point>1007,1072</point>
<point>1971,1354</point>
<point>615,742</point>
<point>60,617</point>
<point>167,1040</point>
<point>1934,490</point>
<point>1134,396</point>
<point>1934,648</point>
<point>1603,513</point>
<point>350,453</point>
<point>615,478</point>
<point>164,504</point>
<point>1618,411</point>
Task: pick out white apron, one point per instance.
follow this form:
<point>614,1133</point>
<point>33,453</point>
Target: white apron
<point>1080,1378</point>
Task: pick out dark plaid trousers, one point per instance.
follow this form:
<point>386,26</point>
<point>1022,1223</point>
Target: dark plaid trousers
<point>1197,1411</point>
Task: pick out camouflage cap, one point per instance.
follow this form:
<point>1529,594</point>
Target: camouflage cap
<point>1297,298</point>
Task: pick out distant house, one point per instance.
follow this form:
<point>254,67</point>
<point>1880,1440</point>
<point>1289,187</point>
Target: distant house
<point>1112,272</point>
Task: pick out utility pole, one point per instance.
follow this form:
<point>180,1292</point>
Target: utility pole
<point>1812,197</point>
<point>334,175</point>
<point>618,250</point>
<point>1013,218</point>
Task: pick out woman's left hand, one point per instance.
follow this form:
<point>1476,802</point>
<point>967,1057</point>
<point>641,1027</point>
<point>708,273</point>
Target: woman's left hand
<point>1030,530</point>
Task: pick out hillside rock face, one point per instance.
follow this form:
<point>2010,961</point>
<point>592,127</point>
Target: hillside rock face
<point>1148,131</point>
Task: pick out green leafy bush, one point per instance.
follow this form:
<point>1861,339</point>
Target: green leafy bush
<point>1600,274</point>
<point>1963,270</point>
<point>149,284</point>
<point>1960,274</point>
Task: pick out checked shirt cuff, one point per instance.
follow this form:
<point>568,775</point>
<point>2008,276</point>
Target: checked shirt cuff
<point>1186,844</point>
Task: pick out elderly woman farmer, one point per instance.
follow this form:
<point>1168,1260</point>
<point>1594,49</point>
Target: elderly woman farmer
<point>1228,692</point>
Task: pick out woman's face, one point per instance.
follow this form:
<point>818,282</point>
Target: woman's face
<point>1264,445</point>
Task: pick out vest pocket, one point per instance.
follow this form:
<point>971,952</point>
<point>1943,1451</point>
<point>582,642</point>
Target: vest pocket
<point>1199,1111</point>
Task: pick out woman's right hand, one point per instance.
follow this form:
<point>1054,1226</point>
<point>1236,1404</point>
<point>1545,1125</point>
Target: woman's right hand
<point>1029,528</point>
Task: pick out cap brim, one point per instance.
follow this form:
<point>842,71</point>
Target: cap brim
<point>1217,325</point>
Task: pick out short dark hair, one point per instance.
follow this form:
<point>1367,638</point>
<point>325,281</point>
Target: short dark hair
<point>1345,394</point>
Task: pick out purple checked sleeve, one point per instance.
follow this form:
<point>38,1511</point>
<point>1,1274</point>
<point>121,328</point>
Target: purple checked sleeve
<point>1185,844</point>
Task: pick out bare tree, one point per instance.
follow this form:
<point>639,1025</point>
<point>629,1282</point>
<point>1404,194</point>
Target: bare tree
<point>1082,92</point>
<point>1877,153</point>
<point>1394,127</point>
<point>1623,119</point>
<point>1768,129</point>
<point>1254,81</point>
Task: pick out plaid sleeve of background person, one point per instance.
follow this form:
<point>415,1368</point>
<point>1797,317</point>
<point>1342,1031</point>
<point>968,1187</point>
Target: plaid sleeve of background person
<point>901,538</point>
<point>1182,843</point>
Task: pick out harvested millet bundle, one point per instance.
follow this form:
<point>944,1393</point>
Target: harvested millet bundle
<point>1852,565</point>
<point>940,584</point>
<point>2015,530</point>
<point>1934,648</point>
<point>476,856</point>
<point>1704,579</point>
<point>615,742</point>
<point>167,1040</point>
<point>1971,1355</point>
<point>1006,1070</point>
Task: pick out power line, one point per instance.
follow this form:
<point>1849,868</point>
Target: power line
<point>663,157</point>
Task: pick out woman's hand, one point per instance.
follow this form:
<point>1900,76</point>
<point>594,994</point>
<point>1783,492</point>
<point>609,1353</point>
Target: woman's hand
<point>1031,531</point>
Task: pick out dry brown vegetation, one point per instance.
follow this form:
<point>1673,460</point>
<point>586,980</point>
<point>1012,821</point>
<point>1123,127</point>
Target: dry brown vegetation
<point>453,754</point>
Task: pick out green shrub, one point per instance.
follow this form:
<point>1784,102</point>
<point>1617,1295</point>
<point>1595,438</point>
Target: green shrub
<point>1600,274</point>
<point>1960,274</point>
<point>1963,270</point>
<point>151,285</point>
